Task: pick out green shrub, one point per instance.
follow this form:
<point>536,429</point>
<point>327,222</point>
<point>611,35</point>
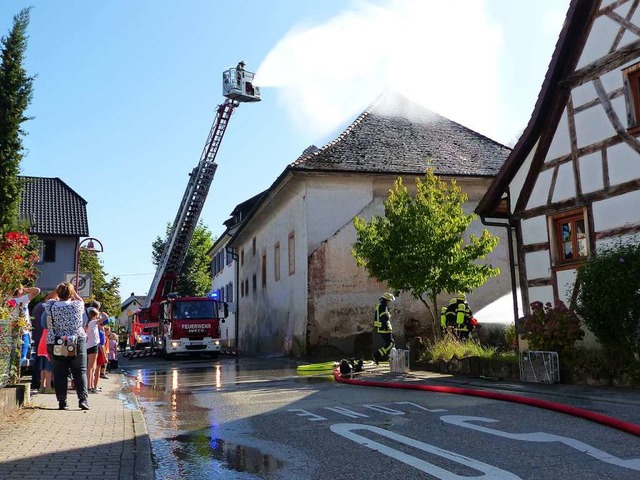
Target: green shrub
<point>551,328</point>
<point>511,337</point>
<point>447,347</point>
<point>608,297</point>
<point>594,366</point>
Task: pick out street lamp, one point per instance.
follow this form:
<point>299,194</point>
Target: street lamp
<point>90,248</point>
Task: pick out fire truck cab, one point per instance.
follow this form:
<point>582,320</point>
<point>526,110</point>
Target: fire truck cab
<point>191,325</point>
<point>143,332</point>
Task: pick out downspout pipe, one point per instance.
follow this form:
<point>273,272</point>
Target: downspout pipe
<point>512,268</point>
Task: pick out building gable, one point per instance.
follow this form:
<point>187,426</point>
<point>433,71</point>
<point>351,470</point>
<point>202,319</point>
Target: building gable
<point>51,207</point>
<point>395,135</point>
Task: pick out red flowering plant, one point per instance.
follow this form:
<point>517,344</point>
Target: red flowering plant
<point>18,254</point>
<point>552,328</point>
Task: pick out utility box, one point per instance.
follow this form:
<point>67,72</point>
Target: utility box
<point>539,367</point>
<point>237,84</point>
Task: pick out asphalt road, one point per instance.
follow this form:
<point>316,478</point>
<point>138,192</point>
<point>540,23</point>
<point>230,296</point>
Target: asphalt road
<point>254,418</point>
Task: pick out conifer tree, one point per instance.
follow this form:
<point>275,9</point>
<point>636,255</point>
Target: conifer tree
<point>16,91</point>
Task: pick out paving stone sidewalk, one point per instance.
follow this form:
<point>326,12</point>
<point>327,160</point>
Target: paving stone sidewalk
<point>109,442</point>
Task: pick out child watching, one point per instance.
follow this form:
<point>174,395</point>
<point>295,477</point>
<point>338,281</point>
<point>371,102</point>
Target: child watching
<point>113,352</point>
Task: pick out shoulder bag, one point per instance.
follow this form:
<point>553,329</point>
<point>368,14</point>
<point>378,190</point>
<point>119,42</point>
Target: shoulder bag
<point>63,346</point>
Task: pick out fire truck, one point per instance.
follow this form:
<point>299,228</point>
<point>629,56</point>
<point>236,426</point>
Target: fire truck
<point>168,322</point>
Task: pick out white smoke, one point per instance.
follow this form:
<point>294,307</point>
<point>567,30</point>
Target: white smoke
<point>443,55</point>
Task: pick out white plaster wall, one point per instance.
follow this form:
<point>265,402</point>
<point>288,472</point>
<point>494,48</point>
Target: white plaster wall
<point>612,80</point>
<point>629,37</point>
<point>617,211</point>
<point>600,40</point>
<point>538,265</point>
<point>624,164</point>
<point>583,94</point>
<point>540,294</point>
<point>273,318</point>
<point>591,172</point>
<point>332,202</point>
<point>565,186</point>
<point>612,241</point>
<point>560,145</point>
<point>593,125</point>
<point>52,273</point>
<point>566,279</point>
<point>620,108</point>
<point>343,296</point>
<point>541,189</point>
<point>224,277</point>
<point>534,230</point>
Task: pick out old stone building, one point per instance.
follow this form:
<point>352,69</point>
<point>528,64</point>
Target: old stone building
<point>299,290</point>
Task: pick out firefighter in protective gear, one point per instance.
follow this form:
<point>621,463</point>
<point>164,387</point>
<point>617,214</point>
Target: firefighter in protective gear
<point>382,325</point>
<point>458,316</point>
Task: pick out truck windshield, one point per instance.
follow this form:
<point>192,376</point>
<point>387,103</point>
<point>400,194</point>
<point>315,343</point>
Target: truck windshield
<point>195,310</point>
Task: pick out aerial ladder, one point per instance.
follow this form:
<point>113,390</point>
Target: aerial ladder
<point>237,88</point>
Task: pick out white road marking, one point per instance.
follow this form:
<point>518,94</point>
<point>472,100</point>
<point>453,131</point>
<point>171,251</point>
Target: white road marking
<point>304,413</point>
<point>462,421</point>
<point>346,412</point>
<point>383,409</point>
<point>489,471</point>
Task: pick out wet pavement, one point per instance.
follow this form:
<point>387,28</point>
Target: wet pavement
<point>193,406</point>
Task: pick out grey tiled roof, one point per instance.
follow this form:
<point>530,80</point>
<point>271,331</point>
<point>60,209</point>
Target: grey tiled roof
<point>133,298</point>
<point>52,208</point>
<point>396,135</point>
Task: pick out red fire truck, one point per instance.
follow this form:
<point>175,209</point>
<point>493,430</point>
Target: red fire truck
<point>191,325</point>
<point>168,322</point>
<point>143,332</point>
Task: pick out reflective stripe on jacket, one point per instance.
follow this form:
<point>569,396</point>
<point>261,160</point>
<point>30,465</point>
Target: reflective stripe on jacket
<point>382,319</point>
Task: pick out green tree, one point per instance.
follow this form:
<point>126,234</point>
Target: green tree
<point>194,278</point>
<point>16,91</point>
<point>608,298</point>
<point>418,245</point>
<point>106,292</point>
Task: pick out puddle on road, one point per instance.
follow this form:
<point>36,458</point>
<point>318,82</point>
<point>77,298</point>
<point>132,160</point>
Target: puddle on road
<point>194,449</point>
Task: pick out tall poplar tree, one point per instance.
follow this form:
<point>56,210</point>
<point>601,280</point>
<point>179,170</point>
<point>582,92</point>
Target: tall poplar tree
<point>16,91</point>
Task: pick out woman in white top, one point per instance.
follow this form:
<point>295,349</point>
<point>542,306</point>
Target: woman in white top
<point>64,309</point>
<point>93,344</point>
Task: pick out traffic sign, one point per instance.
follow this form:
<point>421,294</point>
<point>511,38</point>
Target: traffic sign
<point>84,282</point>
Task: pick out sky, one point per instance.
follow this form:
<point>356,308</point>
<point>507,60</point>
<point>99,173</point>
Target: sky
<point>126,91</point>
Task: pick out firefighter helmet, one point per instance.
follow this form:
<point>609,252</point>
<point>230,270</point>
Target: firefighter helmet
<point>462,296</point>
<point>388,296</point>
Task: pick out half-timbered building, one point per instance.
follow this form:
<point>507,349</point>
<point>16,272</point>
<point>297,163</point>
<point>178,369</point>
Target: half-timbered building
<point>572,182</point>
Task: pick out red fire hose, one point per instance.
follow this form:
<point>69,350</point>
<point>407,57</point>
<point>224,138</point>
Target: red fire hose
<point>628,427</point>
